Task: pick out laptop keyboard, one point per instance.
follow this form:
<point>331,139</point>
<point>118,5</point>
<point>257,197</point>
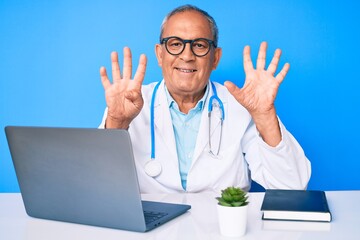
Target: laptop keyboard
<point>151,216</point>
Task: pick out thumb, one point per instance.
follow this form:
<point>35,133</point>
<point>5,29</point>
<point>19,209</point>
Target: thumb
<point>133,96</point>
<point>235,91</point>
<point>231,87</point>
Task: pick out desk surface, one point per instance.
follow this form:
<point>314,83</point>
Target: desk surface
<point>199,223</point>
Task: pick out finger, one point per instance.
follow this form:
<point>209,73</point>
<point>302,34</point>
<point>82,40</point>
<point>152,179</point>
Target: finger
<point>247,59</point>
<point>282,74</point>
<point>127,63</point>
<point>104,78</point>
<point>260,62</point>
<point>141,69</point>
<point>115,67</point>
<point>274,62</point>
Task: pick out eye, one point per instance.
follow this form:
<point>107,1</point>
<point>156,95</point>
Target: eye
<point>200,44</point>
<point>174,43</point>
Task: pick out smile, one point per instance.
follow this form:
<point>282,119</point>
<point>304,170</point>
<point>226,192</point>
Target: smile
<point>186,70</point>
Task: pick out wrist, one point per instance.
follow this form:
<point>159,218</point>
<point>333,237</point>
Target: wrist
<point>268,126</point>
<point>115,123</point>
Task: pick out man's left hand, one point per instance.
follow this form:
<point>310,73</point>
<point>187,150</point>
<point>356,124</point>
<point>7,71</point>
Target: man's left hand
<point>259,92</point>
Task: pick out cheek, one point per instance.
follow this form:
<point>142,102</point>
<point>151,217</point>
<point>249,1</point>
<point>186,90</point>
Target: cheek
<point>213,63</point>
<point>166,67</point>
<point>167,62</point>
<point>209,66</point>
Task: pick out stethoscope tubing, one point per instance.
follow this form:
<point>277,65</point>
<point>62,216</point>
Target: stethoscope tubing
<point>215,96</point>
<point>152,164</point>
<point>152,117</point>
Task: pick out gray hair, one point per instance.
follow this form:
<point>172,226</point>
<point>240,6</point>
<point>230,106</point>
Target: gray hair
<point>186,8</point>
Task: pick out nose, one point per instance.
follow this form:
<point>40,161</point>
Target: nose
<point>187,54</point>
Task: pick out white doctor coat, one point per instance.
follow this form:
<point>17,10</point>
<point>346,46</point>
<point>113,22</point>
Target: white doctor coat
<point>243,154</point>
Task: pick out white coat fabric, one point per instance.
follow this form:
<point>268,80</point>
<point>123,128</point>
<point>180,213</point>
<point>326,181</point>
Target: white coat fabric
<point>243,154</point>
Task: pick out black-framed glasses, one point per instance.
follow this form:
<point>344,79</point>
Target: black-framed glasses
<point>199,46</point>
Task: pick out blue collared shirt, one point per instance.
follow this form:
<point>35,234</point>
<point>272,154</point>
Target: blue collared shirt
<point>186,128</point>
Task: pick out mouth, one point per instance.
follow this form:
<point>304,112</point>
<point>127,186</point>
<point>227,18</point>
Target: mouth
<point>184,70</point>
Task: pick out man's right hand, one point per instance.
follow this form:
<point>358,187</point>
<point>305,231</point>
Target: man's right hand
<point>123,96</point>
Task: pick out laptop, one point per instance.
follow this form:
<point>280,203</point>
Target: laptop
<point>84,176</point>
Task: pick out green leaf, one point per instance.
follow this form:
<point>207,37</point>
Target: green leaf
<point>227,197</point>
<point>233,197</point>
<point>223,203</point>
<point>232,190</point>
<point>236,204</point>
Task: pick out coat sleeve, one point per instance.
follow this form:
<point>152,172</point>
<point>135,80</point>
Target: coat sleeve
<point>102,124</point>
<point>283,167</point>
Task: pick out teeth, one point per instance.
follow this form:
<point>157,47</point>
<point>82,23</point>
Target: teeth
<point>186,70</point>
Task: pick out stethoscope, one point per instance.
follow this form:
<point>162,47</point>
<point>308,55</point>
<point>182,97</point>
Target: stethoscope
<point>153,167</point>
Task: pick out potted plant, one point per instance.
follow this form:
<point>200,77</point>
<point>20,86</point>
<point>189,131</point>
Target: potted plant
<point>232,211</point>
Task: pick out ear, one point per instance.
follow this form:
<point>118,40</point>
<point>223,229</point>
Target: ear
<point>159,54</point>
<point>217,56</point>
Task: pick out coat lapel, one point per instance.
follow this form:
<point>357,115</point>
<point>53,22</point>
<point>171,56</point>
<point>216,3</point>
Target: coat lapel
<point>163,124</point>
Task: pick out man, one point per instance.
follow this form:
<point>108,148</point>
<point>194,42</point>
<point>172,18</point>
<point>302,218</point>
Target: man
<point>178,146</point>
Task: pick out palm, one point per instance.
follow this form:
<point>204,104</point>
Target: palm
<point>123,97</point>
<point>259,91</point>
<point>120,102</point>
<point>261,86</point>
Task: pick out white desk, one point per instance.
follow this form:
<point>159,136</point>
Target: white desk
<point>199,223</point>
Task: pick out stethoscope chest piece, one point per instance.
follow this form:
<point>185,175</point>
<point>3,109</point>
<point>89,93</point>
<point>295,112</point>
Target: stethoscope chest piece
<point>153,168</point>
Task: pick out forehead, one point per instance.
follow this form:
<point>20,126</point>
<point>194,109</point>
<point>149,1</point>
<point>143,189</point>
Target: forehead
<point>188,25</point>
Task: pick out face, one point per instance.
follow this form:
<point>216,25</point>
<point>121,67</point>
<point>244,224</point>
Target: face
<point>186,75</point>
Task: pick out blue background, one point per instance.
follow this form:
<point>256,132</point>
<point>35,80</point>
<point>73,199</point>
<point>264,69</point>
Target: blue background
<point>51,52</point>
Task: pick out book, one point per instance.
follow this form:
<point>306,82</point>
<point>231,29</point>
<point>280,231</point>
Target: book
<point>296,205</point>
<point>296,226</point>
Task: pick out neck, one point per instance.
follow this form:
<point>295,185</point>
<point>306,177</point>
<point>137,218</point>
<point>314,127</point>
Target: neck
<point>187,102</point>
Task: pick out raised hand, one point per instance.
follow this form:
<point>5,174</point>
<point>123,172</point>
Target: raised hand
<point>123,96</point>
<point>259,91</point>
